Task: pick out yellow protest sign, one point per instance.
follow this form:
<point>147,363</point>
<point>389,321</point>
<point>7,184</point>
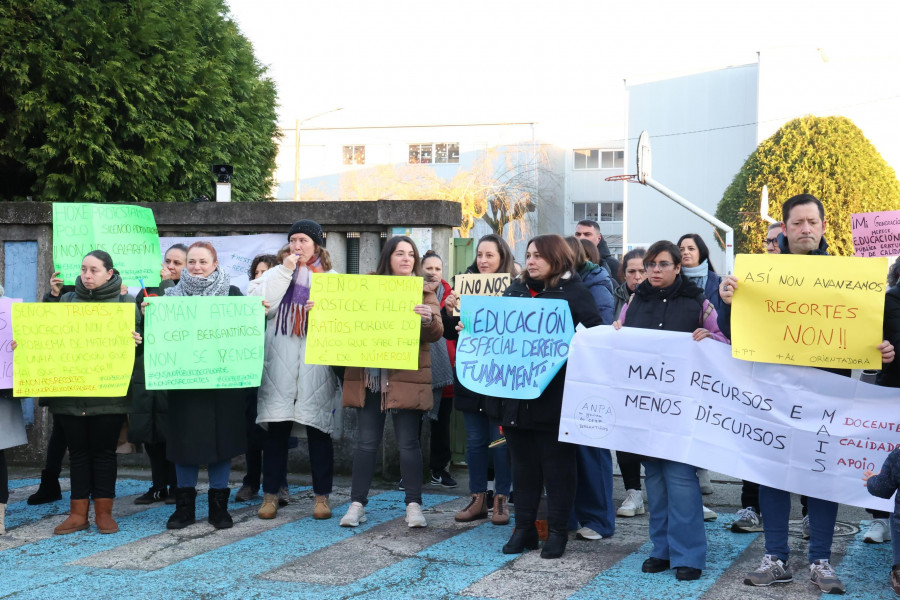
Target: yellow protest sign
<point>73,348</point>
<point>818,311</point>
<point>480,284</point>
<point>364,321</point>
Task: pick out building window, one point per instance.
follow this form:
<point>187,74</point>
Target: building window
<point>594,158</point>
<point>426,154</point>
<point>354,155</point>
<point>597,211</point>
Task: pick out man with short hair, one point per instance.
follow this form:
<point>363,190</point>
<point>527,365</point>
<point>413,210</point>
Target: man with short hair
<point>772,238</point>
<point>802,232</point>
<point>590,230</point>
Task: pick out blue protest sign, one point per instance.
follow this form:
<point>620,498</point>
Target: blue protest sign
<point>512,347</point>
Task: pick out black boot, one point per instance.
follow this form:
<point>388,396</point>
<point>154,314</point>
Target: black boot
<point>185,508</point>
<point>521,540</point>
<point>555,544</point>
<point>218,508</point>
<point>48,491</point>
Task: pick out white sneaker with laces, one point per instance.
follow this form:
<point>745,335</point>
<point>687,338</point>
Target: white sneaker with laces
<point>414,516</point>
<point>356,514</point>
<point>709,514</point>
<point>822,575</point>
<point>879,532</point>
<point>633,504</point>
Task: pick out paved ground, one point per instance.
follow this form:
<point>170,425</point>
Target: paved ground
<point>294,556</point>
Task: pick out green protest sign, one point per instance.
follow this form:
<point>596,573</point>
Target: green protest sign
<point>128,233</point>
<point>203,342</point>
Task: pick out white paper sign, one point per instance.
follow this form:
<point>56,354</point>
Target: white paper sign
<point>235,252</point>
<point>792,428</point>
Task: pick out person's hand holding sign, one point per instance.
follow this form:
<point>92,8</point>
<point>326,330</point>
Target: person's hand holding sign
<point>425,312</point>
<point>450,303</point>
<point>56,284</point>
<point>727,288</point>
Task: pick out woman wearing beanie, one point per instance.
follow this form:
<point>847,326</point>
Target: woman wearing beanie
<point>206,427</point>
<point>292,394</point>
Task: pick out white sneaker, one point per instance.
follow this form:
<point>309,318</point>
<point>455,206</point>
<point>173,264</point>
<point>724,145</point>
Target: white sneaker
<point>356,514</point>
<point>879,532</point>
<point>586,533</point>
<point>705,484</point>
<point>633,504</point>
<point>709,514</point>
<point>2,519</point>
<point>414,516</point>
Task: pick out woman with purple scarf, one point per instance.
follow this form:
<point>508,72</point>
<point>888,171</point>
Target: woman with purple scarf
<point>294,396</point>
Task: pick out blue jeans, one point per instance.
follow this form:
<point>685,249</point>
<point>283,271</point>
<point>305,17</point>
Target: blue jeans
<point>218,474</point>
<point>480,432</point>
<point>776,506</point>
<point>594,491</point>
<point>676,513</point>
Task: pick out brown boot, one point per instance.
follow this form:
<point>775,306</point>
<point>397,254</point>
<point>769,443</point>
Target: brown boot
<point>103,515</point>
<point>78,518</point>
<point>269,507</point>
<point>477,509</point>
<point>501,510</point>
<point>321,510</point>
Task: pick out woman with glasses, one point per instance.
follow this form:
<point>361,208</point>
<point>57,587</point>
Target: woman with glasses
<point>668,301</point>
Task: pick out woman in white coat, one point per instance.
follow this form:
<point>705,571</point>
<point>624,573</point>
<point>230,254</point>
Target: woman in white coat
<point>293,394</point>
<point>12,433</point>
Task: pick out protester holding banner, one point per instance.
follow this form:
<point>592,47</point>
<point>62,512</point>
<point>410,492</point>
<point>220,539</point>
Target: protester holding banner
<point>532,426</point>
<point>148,418</point>
<point>442,355</point>
<point>293,394</point>
<point>12,433</point>
<point>91,426</point>
<point>669,301</point>
<point>803,232</point>
<point>205,426</point>
<point>633,273</point>
<point>406,394</point>
<point>492,255</point>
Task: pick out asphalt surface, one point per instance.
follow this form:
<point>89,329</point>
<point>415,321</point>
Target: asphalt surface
<point>294,556</point>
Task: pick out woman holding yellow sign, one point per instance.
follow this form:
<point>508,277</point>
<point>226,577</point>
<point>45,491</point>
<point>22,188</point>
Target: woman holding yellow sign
<point>91,426</point>
<point>405,393</point>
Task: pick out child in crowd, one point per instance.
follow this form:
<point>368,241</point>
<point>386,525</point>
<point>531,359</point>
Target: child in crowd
<point>884,484</point>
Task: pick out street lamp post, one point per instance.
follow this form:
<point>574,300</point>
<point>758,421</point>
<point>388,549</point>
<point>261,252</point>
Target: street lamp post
<point>297,149</point>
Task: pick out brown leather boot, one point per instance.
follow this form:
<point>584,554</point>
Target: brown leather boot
<point>501,510</point>
<point>78,518</point>
<point>321,509</point>
<point>477,509</point>
<point>103,515</point>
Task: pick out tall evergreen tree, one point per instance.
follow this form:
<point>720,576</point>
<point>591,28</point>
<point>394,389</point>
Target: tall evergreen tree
<point>828,157</point>
<point>130,101</point>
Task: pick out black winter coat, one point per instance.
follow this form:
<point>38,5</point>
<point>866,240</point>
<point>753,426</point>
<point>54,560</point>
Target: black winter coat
<point>542,413</point>
<point>890,374</point>
<point>206,426</point>
<point>677,307</point>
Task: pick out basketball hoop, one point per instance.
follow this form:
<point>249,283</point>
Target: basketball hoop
<point>628,178</point>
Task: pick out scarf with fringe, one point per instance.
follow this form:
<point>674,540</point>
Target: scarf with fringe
<point>292,314</point>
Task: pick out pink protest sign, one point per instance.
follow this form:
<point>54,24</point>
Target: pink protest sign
<point>6,355</point>
<point>876,233</point>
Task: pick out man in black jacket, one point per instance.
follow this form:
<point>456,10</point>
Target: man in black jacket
<point>590,230</point>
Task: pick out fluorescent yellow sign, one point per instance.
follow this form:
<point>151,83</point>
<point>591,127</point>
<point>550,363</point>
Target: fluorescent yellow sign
<point>364,321</point>
<point>73,348</point>
<point>819,311</point>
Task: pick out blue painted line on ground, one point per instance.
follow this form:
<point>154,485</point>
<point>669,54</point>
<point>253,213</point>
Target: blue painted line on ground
<point>20,483</point>
<point>865,568</point>
<point>723,548</point>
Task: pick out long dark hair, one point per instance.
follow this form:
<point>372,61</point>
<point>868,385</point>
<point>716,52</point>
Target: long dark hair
<point>701,246</point>
<point>577,251</point>
<point>507,265</point>
<point>384,261</point>
<point>553,249</point>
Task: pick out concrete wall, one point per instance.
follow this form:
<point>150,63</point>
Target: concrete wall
<point>25,224</point>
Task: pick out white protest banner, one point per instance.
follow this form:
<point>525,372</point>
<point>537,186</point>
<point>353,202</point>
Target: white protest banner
<point>662,394</point>
<point>235,252</point>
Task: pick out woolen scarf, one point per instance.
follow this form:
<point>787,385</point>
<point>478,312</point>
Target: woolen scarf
<point>292,313</point>
<point>109,290</point>
<point>697,275</point>
<point>217,284</point>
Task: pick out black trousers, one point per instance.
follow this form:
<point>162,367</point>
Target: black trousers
<point>275,451</point>
<point>4,479</point>
<point>750,495</point>
<point>92,453</point>
<point>630,467</point>
<point>255,437</point>
<point>162,470</point>
<point>440,435</point>
<point>56,449</point>
<point>540,461</point>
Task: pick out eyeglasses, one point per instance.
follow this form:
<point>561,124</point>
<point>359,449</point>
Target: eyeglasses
<point>773,240</point>
<point>661,265</point>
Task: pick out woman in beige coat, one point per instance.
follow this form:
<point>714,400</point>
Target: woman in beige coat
<point>406,394</point>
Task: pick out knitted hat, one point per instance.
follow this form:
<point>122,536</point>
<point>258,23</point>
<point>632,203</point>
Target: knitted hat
<point>310,228</point>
